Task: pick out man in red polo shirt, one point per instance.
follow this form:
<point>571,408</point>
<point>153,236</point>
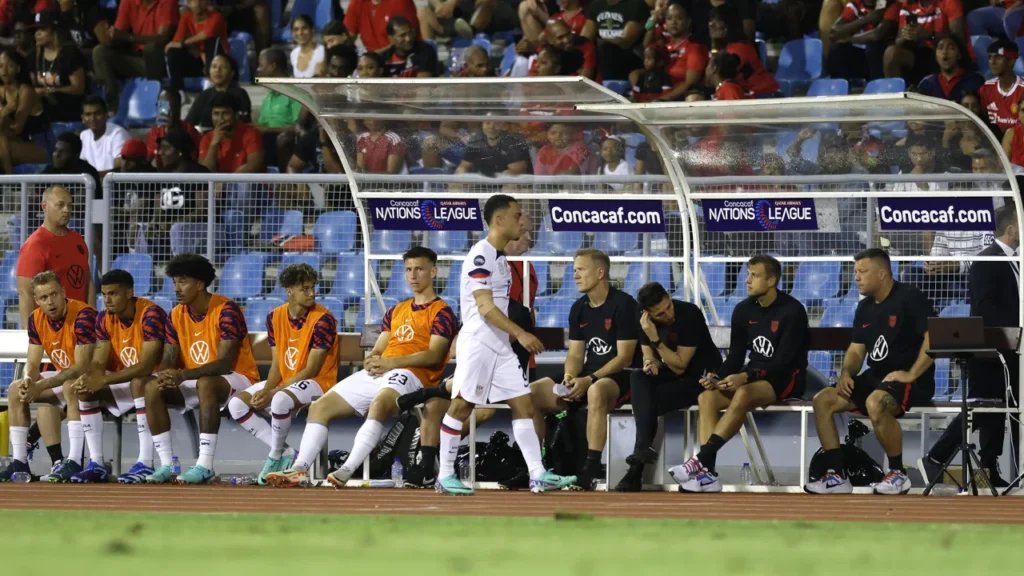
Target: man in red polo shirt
<point>54,247</point>
<point>232,146</point>
<point>135,46</point>
<point>368,19</point>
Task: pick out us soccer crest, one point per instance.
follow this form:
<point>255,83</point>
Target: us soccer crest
<point>607,323</point>
<point>775,325</point>
<point>892,321</point>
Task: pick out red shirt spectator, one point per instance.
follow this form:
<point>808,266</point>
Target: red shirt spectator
<point>934,16</point>
<point>1001,106</point>
<point>729,90</point>
<point>754,76</point>
<point>157,132</point>
<point>9,8</point>
<point>369,19</point>
<point>140,19</point>
<point>235,149</point>
<point>214,26</point>
<point>857,9</point>
<point>374,149</point>
<point>574,20</point>
<point>584,47</point>
<point>684,56</point>
<point>565,152</point>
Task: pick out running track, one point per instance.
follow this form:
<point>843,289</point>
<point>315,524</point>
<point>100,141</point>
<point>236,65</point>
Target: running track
<point>499,503</point>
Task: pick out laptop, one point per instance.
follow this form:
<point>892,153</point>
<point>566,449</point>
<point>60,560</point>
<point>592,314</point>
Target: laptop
<point>957,334</point>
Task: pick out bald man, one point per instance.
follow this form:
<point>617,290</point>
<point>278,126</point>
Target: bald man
<point>54,247</point>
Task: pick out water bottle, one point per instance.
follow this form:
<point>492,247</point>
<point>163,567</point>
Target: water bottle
<point>21,477</point>
<point>175,466</point>
<point>833,378</point>
<point>747,475</point>
<point>244,480</point>
<point>396,473</point>
<point>464,471</point>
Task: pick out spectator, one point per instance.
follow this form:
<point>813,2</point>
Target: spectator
<point>379,150</point>
<point>315,153</point>
<point>613,153</point>
<point>617,27</point>
<point>721,75</point>
<point>341,61</point>
<point>168,119</point>
<point>308,54</point>
<point>21,114</point>
<point>224,77</point>
<point>134,158</point>
<point>560,35</point>
<point>23,41</point>
<point>920,23</point>
<point>753,76</point>
<point>564,154</point>
<point>858,40</point>
<point>201,35</point>
<point>249,16</point>
<point>335,33</point>
<point>102,140</point>
<point>407,57</point>
<point>136,44</point>
<point>176,153</point>
<point>57,248</point>
<point>653,82</point>
<point>648,161</point>
<point>552,61</point>
<point>960,140</point>
<point>743,17</point>
<point>371,65</point>
<point>67,159</point>
<point>953,81</point>
<point>59,72</point>
<point>1013,138</point>
<point>233,146</point>
<point>999,96</point>
<point>499,152</point>
<point>533,18</point>
<point>84,22</point>
<point>686,59</point>
<point>368,19</point>
<point>476,63</point>
<point>442,17</point>
<point>278,113</point>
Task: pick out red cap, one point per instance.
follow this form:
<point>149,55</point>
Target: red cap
<point>134,148</point>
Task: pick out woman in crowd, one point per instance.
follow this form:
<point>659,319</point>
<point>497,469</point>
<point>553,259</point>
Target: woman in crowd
<point>21,114</point>
<point>58,72</point>
<point>224,77</point>
<point>308,54</point>
<point>753,76</point>
<point>686,60</point>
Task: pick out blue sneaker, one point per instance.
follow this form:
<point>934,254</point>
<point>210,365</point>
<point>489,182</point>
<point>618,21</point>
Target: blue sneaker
<point>196,475</point>
<point>137,475</point>
<point>453,486</point>
<point>549,481</point>
<point>64,471</point>
<point>161,475</point>
<point>94,472</point>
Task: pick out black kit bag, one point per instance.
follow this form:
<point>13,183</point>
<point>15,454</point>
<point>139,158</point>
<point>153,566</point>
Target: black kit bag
<point>861,468</point>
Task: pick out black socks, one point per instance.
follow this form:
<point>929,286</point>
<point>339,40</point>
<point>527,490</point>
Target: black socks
<point>708,454</point>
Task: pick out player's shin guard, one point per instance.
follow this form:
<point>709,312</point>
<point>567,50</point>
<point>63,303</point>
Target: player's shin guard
<point>312,441</point>
<point>145,438</point>
<point>529,444</point>
<point>92,427</point>
<point>451,434</point>
<point>281,406</point>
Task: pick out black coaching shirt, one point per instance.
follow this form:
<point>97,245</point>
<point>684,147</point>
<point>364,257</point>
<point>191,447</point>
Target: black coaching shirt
<point>689,330</point>
<point>601,328</point>
<point>892,330</point>
<point>776,335</point>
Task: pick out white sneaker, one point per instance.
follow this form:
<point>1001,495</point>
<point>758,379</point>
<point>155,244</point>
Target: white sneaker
<point>683,472</point>
<point>894,483</point>
<point>704,481</point>
<point>830,483</point>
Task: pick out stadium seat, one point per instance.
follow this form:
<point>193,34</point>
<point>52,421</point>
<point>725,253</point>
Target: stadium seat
<point>724,307</point>
<point>453,286</point>
<point>762,51</point>
<point>14,229</point>
<point>188,237</point>
<point>289,258</point>
<point>336,308</point>
<point>887,85</point>
<point>542,269</point>
<point>397,286</point>
<point>376,316</point>
<point>815,281</point>
<point>799,63</point>
<point>568,287</point>
<point>557,243</point>
<point>233,231</point>
<point>808,151</point>
<point>449,241</point>
<point>322,15</point>
<point>165,303</point>
<point>167,291</point>
<point>242,276</point>
<point>390,241</point>
<point>349,280</point>
<point>660,272</point>
<point>138,103</point>
<point>29,168</point>
<point>553,312</point>
<point>943,390</point>
<point>820,360</point>
<point>140,266</point>
<point>8,266</point>
<point>956,310</point>
<point>829,87</point>
<point>739,290</point>
<point>291,224</point>
<point>838,314</point>
<point>256,311</point>
<point>240,52</point>
<point>714,276</point>
<point>59,128</point>
<point>612,243</point>
<point>508,60</point>
<point>621,87</point>
<point>335,232</point>
<point>980,45</point>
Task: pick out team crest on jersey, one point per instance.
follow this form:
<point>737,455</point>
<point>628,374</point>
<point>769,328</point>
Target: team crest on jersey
<point>775,325</point>
<point>291,356</point>
<point>200,352</point>
<point>129,357</point>
<point>892,321</point>
<point>405,333</point>
<point>1014,108</point>
<point>607,323</point>
<point>61,359</point>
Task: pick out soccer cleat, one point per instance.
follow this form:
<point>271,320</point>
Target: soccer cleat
<point>683,472</point>
<point>63,472</point>
<point>588,476</point>
<point>290,478</point>
<point>288,458</point>
<point>645,456</point>
<point>549,481</point>
<point>196,475</point>
<point>633,481</point>
<point>137,475</point>
<point>53,471</point>
<point>15,466</point>
<point>339,477</point>
<point>453,486</point>
<point>418,477</point>
<point>161,475</point>
<point>929,469</point>
<point>830,483</point>
<point>270,466</point>
<point>894,483</point>
<point>703,481</point>
<point>521,481</point>
<point>93,473</point>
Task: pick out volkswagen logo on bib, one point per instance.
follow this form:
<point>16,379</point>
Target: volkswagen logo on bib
<point>763,346</point>
<point>405,333</point>
<point>200,352</point>
<point>880,350</point>
<point>598,346</point>
<point>290,355</point>
<point>129,357</point>
<point>60,358</point>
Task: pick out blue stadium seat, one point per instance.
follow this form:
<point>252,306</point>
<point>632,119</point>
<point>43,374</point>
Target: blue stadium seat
<point>167,291</point>
<point>616,242</point>
<point>349,280</point>
<point>165,303</point>
<point>568,287</point>
<point>739,291</point>
<point>322,15</point>
<point>336,308</point>
<point>980,45</point>
<point>397,286</point>
<point>762,50</point>
<point>291,224</point>
<point>242,276</point>
<point>240,52</point>
<point>943,390</point>
<point>808,151</point>
<point>621,87</point>
<point>138,103</point>
<point>14,229</point>
<point>29,168</point>
<point>724,307</point>
<point>557,243</point>
<point>829,87</point>
<point>140,266</point>
<point>188,237</point>
<point>271,220</point>
<point>956,310</point>
<point>289,258</point>
<point>889,85</point>
<point>391,241</point>
<point>821,361</point>
<point>815,281</point>
<point>714,276</point>
<point>8,277</point>
<point>449,241</point>
<point>799,63</point>
<point>335,232</point>
<point>838,314</point>
<point>256,311</point>
<point>660,272</point>
<point>59,128</point>
<point>542,269</point>
<point>553,312</point>
<point>232,231</point>
<point>7,371</point>
<point>508,60</point>
<point>453,286</point>
<point>376,316</point>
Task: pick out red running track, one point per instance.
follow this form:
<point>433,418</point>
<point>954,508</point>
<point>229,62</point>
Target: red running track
<point>667,505</point>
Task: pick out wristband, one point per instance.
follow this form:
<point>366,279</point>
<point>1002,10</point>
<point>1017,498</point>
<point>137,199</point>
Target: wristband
<point>655,344</point>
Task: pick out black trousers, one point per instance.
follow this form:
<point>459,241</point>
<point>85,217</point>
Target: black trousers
<point>654,396</point>
<point>615,63</point>
<point>182,63</point>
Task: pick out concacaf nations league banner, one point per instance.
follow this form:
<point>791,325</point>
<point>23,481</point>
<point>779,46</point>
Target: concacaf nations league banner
<point>606,215</point>
<point>429,214</point>
<point>775,215</point>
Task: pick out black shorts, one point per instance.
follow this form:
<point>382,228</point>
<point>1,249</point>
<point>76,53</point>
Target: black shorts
<point>622,381</point>
<point>906,395</point>
<point>788,387</point>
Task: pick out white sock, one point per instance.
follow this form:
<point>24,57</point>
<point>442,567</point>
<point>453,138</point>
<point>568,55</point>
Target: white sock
<point>529,445</point>
<point>145,438</point>
<point>92,427</point>
<point>77,437</point>
<point>207,448</point>
<point>19,443</point>
<point>312,441</point>
<point>257,426</point>
<point>162,445</point>
<point>451,434</point>
<point>281,406</point>
<point>367,437</point>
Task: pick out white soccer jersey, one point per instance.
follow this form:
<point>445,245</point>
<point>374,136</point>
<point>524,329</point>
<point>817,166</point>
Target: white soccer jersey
<point>485,268</point>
